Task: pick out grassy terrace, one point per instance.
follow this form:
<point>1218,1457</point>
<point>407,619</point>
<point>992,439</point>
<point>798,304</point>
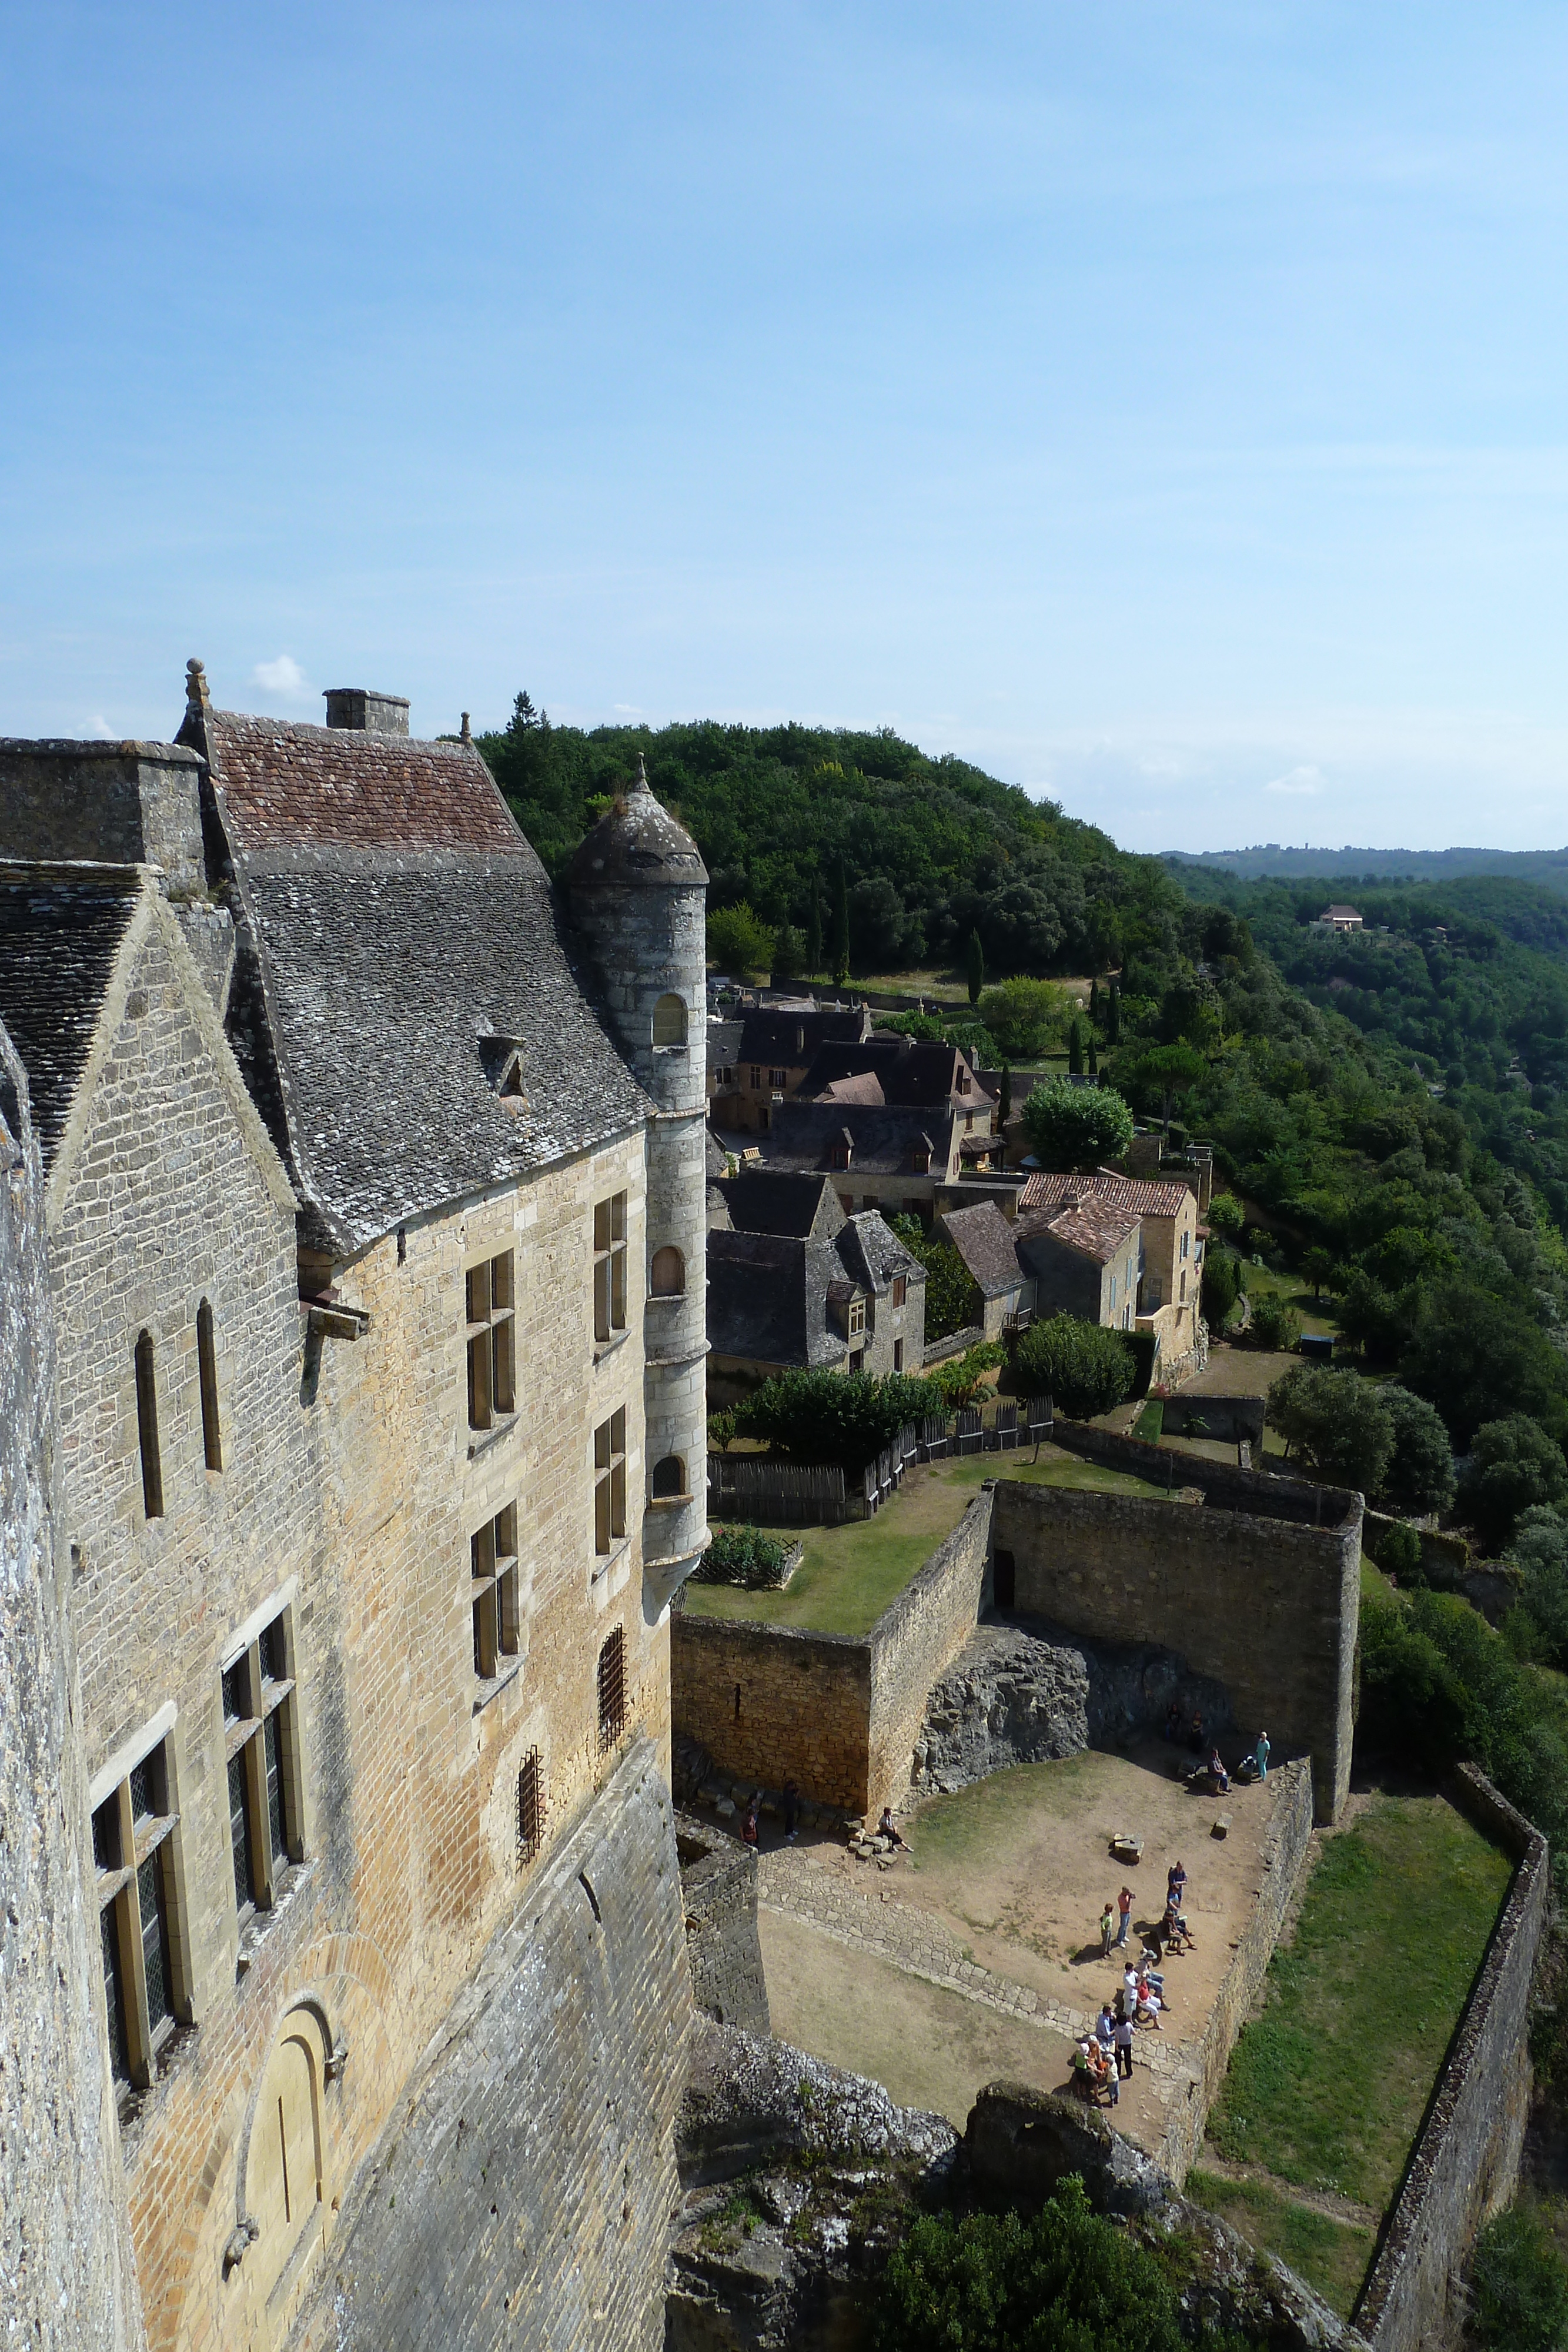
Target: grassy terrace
<point>850,1574</point>
<point>1326,2090</point>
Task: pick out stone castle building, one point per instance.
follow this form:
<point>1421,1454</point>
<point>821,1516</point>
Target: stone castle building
<point>368,1175</point>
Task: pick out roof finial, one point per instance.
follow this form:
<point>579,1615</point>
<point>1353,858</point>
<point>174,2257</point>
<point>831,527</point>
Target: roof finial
<point>639,780</point>
<point>465,732</point>
<point>196,694</point>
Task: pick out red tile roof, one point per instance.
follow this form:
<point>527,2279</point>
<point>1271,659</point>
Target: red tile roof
<point>288,785</point>
<point>1142,1195</point>
<point>1096,1228</point>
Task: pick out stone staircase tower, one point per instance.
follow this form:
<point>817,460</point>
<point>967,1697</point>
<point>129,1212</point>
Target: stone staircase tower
<point>638,891</point>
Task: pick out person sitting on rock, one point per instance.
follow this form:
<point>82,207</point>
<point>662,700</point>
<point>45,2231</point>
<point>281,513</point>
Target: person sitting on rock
<point>1218,1774</point>
<point>884,1828</point>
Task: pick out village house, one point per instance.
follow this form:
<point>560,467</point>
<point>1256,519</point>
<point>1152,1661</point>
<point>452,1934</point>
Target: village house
<point>1170,1269</point>
<point>375,1177</point>
<point>986,1240</point>
<point>769,1058</point>
<point>1339,918</point>
<point>796,1283</point>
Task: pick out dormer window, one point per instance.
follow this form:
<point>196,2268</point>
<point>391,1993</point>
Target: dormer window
<point>843,1148</point>
<point>503,1065</point>
<point>857,1318</point>
<point>963,1082</point>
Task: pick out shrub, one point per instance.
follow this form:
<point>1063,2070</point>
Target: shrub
<point>1076,1127</point>
<point>923,1028</point>
<point>1026,1017</point>
<point>1082,1367</point>
<point>1540,1552</point>
<point>1334,1420</point>
<point>1519,2285</point>
<point>1221,1285</point>
<point>847,1418</point>
<point>742,1556</point>
<point>720,1429</point>
<point>1275,1324</point>
<point>1226,1215</point>
<point>739,940</point>
<point>963,1378</point>
<point>1514,1466</point>
<point>952,1301</point>
<point>1399,1553</point>
<point>1060,2280</point>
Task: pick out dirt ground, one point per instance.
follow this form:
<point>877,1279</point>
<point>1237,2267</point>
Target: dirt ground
<point>1013,1872</point>
<point>929,2047</point>
<point>1020,1863</point>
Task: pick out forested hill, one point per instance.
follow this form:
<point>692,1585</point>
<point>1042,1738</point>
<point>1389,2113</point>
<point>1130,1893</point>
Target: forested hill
<point>1351,869</point>
<point>930,848</point>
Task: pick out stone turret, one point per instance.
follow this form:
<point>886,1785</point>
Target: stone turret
<point>638,890</point>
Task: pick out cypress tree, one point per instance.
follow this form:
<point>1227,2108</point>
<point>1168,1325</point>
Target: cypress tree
<point>1093,1056</point>
<point>841,939</point>
<point>814,932</point>
<point>1094,1003</point>
<point>1075,1048</point>
<point>1113,1020</point>
<point>975,967</point>
<point>1005,1104</point>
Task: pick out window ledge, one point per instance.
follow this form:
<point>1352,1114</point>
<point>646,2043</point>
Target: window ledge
<point>611,1347</point>
<point>669,1502</point>
<point>480,1441</point>
<point>256,1926</point>
<point>603,1561</point>
<point>493,1688</point>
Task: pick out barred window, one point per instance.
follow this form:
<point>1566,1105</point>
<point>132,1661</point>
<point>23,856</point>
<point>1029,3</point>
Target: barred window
<point>145,1973</point>
<point>530,1808</point>
<point>610,1266</point>
<point>610,1482</point>
<point>262,1750</point>
<point>493,1557</point>
<point>491,1308</point>
<point>612,1689</point>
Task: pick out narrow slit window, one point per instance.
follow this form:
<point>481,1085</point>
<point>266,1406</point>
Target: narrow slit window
<point>207,1367</point>
<point>147,1429</point>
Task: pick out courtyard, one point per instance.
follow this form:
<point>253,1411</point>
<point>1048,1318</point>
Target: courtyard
<point>978,1953</point>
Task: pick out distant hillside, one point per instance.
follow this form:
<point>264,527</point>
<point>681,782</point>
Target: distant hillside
<point>1267,860</point>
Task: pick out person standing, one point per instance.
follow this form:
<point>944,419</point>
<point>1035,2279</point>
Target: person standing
<point>1125,1906</point>
<point>1124,2041</point>
<point>1262,1756</point>
<point>1175,1883</point>
<point>1107,1928</point>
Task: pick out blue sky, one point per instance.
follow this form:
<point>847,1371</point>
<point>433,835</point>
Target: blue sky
<point>1161,406</point>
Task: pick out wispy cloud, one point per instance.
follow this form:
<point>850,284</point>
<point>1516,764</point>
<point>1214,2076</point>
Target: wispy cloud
<point>101,728</point>
<point>286,677</point>
<point>1297,781</point>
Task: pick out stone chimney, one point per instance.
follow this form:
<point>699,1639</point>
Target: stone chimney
<point>367,713</point>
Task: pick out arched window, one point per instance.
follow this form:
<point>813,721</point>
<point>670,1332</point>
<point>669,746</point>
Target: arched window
<point>667,1276</point>
<point>207,1367</point>
<point>147,1428</point>
<point>670,1022</point>
<point>669,1478</point>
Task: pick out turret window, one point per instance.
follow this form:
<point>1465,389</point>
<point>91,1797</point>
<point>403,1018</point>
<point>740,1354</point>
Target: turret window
<point>667,1276</point>
<point>669,1478</point>
<point>669,1023</point>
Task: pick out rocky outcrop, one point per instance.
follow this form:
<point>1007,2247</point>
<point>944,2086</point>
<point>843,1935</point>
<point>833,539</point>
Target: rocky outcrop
<point>1024,1692</point>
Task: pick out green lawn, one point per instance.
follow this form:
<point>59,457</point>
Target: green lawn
<point>1261,1282</point>
<point>1328,2087</point>
<point>1332,2256</point>
<point>849,1575</point>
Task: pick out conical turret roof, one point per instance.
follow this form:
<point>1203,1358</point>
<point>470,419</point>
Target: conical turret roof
<point>638,841</point>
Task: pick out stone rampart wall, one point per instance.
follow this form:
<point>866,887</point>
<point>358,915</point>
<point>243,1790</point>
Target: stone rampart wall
<point>1465,2162</point>
<point>66,2277</point>
<point>522,2192</point>
<point>770,1704</point>
<point>1268,1608</point>
<point>1283,1859</point>
<point>1295,1501</point>
<point>916,1641</point>
<point>724,1949</point>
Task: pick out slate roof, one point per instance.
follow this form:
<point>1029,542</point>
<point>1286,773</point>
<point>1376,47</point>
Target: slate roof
<point>768,1200</point>
<point>638,842</point>
<point>60,931</point>
<point>768,1294</point>
<point>773,1037</point>
<point>909,1072</point>
<point>986,1241</point>
<point>280,784</point>
<point>723,1044</point>
<point>865,1087</point>
<point>884,1139</point>
<point>1144,1196</point>
<point>383,977</point>
<point>872,1253</point>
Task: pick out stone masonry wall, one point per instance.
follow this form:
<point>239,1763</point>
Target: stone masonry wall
<point>915,1642</point>
<point>1465,2163</point>
<point>1268,1608</point>
<point>130,804</point>
<point>66,2276</point>
<point>724,1948</point>
<point>522,2192</point>
<point>1283,1860</point>
<point>770,1704</point>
